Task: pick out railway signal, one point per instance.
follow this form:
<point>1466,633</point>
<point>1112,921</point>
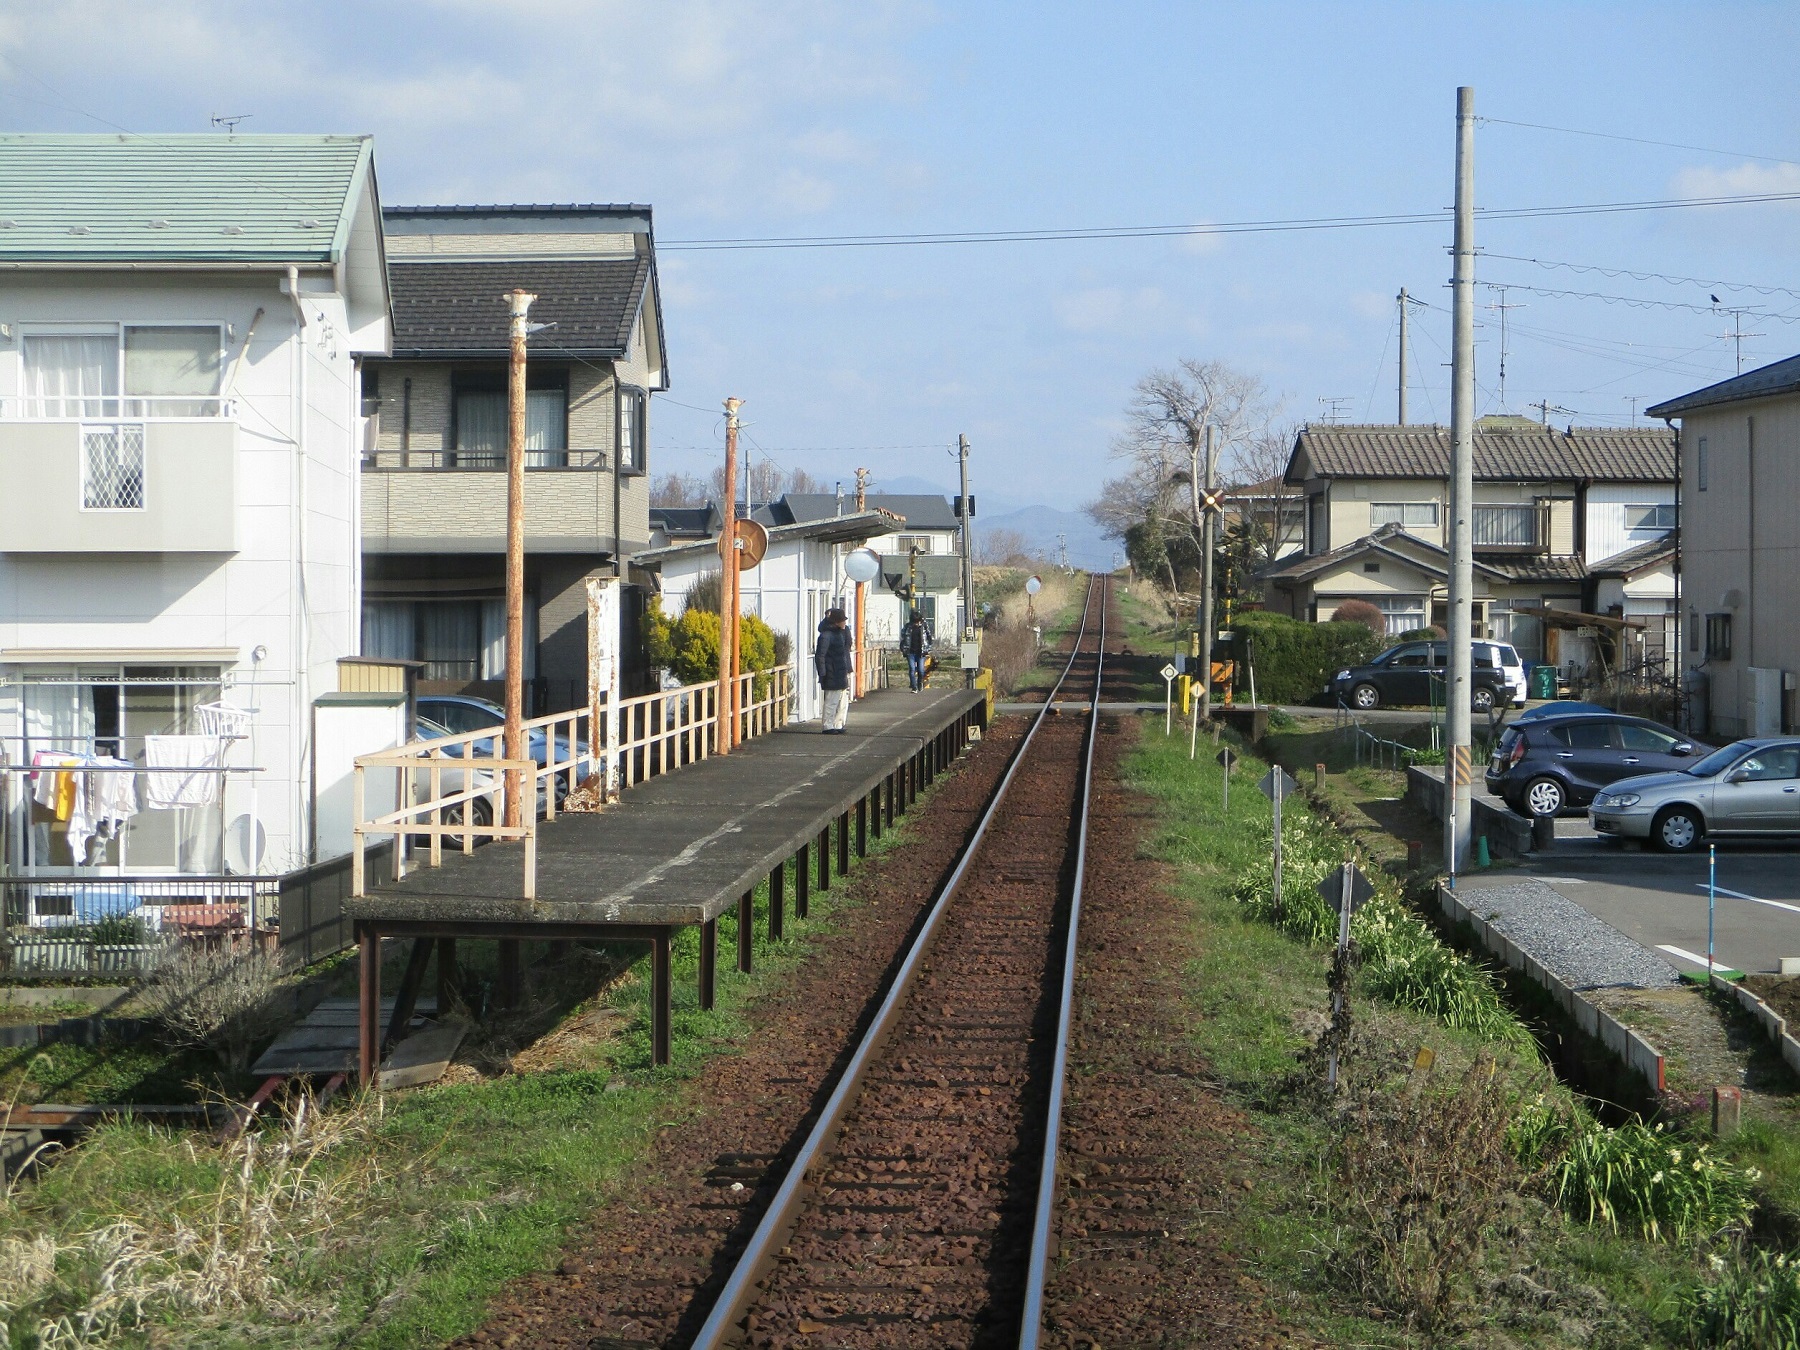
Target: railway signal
<point>1168,673</point>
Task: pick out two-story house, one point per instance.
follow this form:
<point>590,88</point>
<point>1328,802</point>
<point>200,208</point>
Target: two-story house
<point>434,468</point>
<point>1550,507</point>
<point>1740,550</point>
<point>181,329</point>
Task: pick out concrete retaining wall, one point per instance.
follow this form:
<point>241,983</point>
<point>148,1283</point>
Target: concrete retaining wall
<point>1773,1024</point>
<point>1631,1049</point>
<point>1508,835</point>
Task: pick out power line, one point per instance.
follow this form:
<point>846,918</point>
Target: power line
<point>1612,273</point>
<point>1034,236</point>
<point>1637,140</point>
<point>1638,302</point>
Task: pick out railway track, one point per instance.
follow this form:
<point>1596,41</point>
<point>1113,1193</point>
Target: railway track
<point>918,1212</point>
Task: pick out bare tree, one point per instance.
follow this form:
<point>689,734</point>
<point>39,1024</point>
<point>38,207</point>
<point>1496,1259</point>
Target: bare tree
<point>1002,548</point>
<point>678,489</point>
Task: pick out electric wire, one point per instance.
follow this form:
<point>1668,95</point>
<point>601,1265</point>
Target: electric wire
<point>1636,275</point>
<point>1635,140</point>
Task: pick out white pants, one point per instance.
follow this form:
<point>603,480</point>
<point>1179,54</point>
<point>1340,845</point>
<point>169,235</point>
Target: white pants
<point>837,708</point>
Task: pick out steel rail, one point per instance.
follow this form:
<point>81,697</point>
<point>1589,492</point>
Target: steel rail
<point>778,1220</point>
<point>1037,1273</point>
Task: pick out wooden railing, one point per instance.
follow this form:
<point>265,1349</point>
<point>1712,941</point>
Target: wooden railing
<point>656,734</point>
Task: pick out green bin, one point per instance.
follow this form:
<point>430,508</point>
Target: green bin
<point>1543,682</point>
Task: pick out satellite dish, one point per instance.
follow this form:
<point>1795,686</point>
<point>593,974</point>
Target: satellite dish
<point>862,565</point>
<point>753,543</point>
<point>245,841</point>
<point>1033,584</point>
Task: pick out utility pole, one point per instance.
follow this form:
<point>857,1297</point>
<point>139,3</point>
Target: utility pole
<point>862,588</point>
<point>728,587</point>
<point>513,739</point>
<point>1502,306</point>
<point>967,513</point>
<point>1458,798</point>
<point>1402,299</point>
<point>1206,570</point>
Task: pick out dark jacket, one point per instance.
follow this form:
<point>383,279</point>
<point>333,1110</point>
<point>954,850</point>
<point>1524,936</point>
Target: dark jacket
<point>915,640</point>
<point>831,658</point>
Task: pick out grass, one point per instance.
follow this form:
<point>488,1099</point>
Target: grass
<point>444,1194</point>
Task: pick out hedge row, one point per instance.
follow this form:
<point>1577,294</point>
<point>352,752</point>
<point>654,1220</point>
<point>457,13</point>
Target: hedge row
<point>1295,660</point>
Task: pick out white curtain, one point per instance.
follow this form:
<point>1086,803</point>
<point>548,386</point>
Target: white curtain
<point>71,376</point>
<point>546,429</point>
<point>481,430</point>
<point>387,629</point>
<point>493,639</point>
<point>449,634</point>
<point>160,362</point>
<point>59,716</point>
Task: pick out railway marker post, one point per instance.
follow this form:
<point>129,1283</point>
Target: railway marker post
<point>1275,784</point>
<point>1168,673</point>
<point>1346,891</point>
<point>1226,760</point>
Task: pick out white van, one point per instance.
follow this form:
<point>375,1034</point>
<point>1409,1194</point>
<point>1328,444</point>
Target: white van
<point>1502,655</point>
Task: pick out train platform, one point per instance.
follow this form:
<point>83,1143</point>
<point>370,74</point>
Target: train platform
<point>677,851</point>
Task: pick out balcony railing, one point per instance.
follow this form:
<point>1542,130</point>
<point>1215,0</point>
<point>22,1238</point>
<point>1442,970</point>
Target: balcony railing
<point>1512,529</point>
<point>483,461</point>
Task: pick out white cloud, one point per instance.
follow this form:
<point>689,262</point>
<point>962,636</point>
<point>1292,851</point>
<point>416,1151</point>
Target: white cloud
<point>1107,309</point>
<point>1743,180</point>
<point>1200,245</point>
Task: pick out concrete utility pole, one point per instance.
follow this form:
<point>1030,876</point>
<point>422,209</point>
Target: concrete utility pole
<point>1402,299</point>
<point>513,740</point>
<point>728,587</point>
<point>862,592</point>
<point>1209,473</point>
<point>1457,795</point>
<point>966,516</point>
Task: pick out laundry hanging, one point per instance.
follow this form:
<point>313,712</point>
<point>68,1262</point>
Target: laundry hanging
<point>170,791</point>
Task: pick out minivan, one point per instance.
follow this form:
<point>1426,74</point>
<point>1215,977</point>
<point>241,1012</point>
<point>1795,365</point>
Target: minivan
<point>1415,672</point>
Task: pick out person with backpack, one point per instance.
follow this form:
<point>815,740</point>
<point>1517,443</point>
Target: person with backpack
<point>832,662</point>
<point>915,645</point>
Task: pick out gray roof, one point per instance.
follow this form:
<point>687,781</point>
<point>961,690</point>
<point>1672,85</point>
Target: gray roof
<point>1650,553</point>
<point>686,522</point>
<point>1783,377</point>
<point>1536,566</point>
<point>923,511</point>
<point>448,310</point>
<point>1389,540</point>
<point>850,528</point>
<point>1522,454</point>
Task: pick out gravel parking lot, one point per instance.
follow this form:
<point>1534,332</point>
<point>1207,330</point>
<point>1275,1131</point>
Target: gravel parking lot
<point>1580,949</point>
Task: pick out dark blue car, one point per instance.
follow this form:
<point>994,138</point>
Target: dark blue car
<point>1548,765</point>
<point>462,713</point>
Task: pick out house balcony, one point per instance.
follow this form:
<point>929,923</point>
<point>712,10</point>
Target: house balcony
<point>137,482</point>
<point>445,502</point>
<point>1511,529</point>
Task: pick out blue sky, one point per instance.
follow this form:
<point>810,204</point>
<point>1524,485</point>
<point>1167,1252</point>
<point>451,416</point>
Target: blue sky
<point>805,118</point>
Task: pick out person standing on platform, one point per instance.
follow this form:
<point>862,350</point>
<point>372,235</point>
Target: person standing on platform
<point>915,645</point>
<point>832,661</point>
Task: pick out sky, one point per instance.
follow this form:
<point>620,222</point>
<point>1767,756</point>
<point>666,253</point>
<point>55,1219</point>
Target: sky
<point>799,118</point>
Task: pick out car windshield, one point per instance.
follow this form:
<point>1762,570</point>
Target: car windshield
<point>1718,761</point>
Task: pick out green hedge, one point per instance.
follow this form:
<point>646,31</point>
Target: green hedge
<point>1295,659</point>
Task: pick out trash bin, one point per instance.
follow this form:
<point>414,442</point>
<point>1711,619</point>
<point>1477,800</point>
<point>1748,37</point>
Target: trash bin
<point>1542,682</point>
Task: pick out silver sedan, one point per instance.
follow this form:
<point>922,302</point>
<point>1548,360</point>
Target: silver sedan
<point>1748,788</point>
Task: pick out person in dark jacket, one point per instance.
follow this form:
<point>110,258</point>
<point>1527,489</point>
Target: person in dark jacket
<point>832,662</point>
<point>915,646</point>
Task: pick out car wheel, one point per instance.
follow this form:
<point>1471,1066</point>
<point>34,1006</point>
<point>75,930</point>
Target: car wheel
<point>1545,797</point>
<point>483,812</point>
<point>1483,701</point>
<point>1679,829</point>
<point>1365,696</point>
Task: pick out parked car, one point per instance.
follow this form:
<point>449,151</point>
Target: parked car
<point>1548,765</point>
<point>451,781</point>
<point>1748,788</point>
<point>463,713</point>
<point>1415,672</point>
<point>1566,707</point>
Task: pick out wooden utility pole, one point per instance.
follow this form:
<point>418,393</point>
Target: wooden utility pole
<point>513,742</point>
<point>728,587</point>
<point>967,514</point>
<point>1457,768</point>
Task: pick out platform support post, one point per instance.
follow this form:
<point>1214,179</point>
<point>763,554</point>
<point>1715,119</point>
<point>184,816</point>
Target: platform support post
<point>659,997</point>
<point>510,981</point>
<point>368,1004</point>
<point>862,826</point>
<point>777,901</point>
<point>446,975</point>
<point>875,810</point>
<point>843,845</point>
<point>891,787</point>
<point>406,997</point>
<point>709,962</point>
<point>825,859</point>
<point>802,882</point>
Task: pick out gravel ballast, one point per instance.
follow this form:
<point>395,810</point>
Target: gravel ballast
<point>1578,948</point>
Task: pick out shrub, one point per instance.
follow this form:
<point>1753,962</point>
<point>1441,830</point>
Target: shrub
<point>1361,611</point>
<point>757,639</point>
<point>225,999</point>
<point>1295,660</point>
<point>705,594</point>
<point>659,634</point>
<point>1430,633</point>
<point>1753,1300</point>
<point>696,646</point>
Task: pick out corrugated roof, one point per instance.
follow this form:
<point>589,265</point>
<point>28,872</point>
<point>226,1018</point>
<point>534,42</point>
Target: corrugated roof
<point>457,309</point>
<point>1581,454</point>
<point>186,198</point>
<point>1783,377</point>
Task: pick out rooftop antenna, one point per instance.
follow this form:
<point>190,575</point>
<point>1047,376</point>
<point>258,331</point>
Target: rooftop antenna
<point>1545,407</point>
<point>1634,400</point>
<point>1737,335</point>
<point>1334,412</point>
<point>1502,306</point>
<point>230,122</point>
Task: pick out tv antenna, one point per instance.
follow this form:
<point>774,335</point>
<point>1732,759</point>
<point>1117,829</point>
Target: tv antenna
<point>1334,412</point>
<point>230,121</point>
<point>1737,336</point>
<point>1545,407</point>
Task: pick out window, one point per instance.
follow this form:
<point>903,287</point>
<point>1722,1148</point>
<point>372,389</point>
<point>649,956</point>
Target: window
<point>1372,567</point>
<point>1647,740</point>
<point>1318,525</point>
<point>482,428</point>
<point>906,543</point>
<point>1505,526</point>
<point>1586,735</point>
<point>460,641</point>
<point>161,370</point>
<point>1718,637</point>
<point>1410,658</point>
<point>1657,517</point>
<point>112,467</point>
<point>164,364</point>
<point>1403,513</point>
<point>634,429</point>
<point>1700,465</point>
<point>72,376</point>
<point>1402,612</point>
<point>1781,761</point>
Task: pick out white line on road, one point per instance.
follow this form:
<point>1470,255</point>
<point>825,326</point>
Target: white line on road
<point>1753,899</point>
<point>1689,956</point>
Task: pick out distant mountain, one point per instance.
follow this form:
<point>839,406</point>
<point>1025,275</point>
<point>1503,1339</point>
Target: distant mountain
<point>1038,526</point>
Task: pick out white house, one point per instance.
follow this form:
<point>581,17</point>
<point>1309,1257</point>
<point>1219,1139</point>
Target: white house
<point>181,330</point>
<point>799,578</point>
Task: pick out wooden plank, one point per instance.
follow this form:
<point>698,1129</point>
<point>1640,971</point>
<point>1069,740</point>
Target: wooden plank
<point>422,1057</point>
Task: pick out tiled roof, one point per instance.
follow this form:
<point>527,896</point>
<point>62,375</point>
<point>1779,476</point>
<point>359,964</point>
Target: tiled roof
<point>188,198</point>
<point>458,309</point>
<point>1580,454</point>
<point>1390,540</point>
<point>1783,377</point>
<point>1535,566</point>
<point>1647,554</point>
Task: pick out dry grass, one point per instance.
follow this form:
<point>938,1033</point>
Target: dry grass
<point>228,999</point>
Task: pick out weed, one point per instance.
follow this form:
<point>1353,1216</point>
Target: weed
<point>1752,1302</point>
<point>223,998</point>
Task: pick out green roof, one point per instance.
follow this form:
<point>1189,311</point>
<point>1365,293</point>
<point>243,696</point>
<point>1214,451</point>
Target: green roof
<point>178,198</point>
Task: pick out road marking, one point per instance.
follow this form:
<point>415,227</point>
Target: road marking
<point>1753,899</point>
<point>1563,881</point>
<point>1689,956</point>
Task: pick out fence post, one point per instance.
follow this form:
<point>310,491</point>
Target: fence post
<point>357,860</point>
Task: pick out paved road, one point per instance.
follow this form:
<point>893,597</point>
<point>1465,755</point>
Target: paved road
<point>1660,900</point>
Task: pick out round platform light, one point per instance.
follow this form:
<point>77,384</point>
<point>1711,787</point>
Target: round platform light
<point>864,564</point>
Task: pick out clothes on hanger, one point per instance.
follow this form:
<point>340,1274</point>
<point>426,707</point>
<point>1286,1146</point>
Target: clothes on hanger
<point>170,791</point>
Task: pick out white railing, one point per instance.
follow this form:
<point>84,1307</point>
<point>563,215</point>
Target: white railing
<point>457,786</point>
